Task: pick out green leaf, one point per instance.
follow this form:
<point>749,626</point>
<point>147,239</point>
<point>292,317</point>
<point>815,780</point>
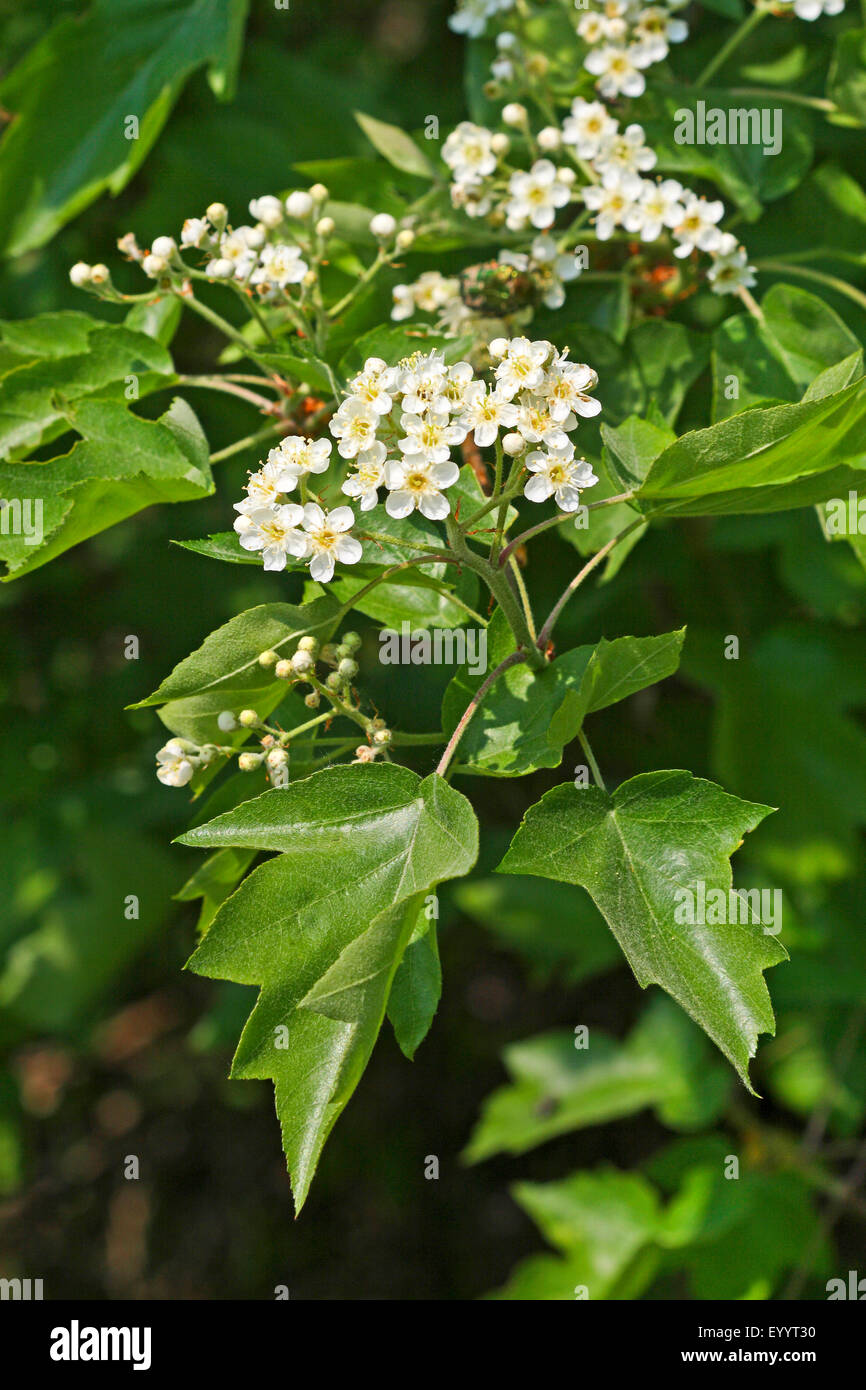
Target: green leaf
<point>120,465</point>
<point>669,358</point>
<point>806,333</point>
<point>528,716</point>
<point>763,460</point>
<point>57,360</point>
<point>224,672</point>
<point>214,880</point>
<point>72,93</point>
<point>636,852</point>
<point>417,988</point>
<point>298,364</point>
<point>557,1087</point>
<point>846,83</point>
<point>601,1222</point>
<point>398,148</point>
<point>323,927</point>
<point>631,448</point>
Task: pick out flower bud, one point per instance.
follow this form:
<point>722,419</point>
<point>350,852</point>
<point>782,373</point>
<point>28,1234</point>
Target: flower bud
<point>363,754</point>
<point>248,762</point>
<point>352,640</point>
<point>277,757</point>
<point>284,670</point>
<point>506,40</point>
<point>383,226</point>
<point>348,669</point>
<point>217,214</point>
<point>319,193</point>
<point>382,737</point>
<point>538,65</point>
<point>328,654</point>
<point>226,721</point>
<point>513,444</point>
<point>267,210</point>
<point>325,227</point>
<point>405,239</point>
<point>80,274</point>
<point>219,269</point>
<point>248,718</point>
<point>309,279</point>
<point>514,114</point>
<point>566,175</point>
<point>549,138</point>
<point>309,644</point>
<point>500,144</point>
<point>207,753</point>
<point>99,274</point>
<point>335,681</point>
<point>313,700</point>
<point>164,246</point>
<point>302,662</point>
<point>154,266</point>
<point>268,658</point>
<point>299,204</point>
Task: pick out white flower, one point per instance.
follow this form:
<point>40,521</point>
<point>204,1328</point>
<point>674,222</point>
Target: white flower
<point>414,482</point>
<point>611,200</point>
<point>536,196</point>
<point>422,383</point>
<point>813,9</point>
<point>565,389</point>
<point>370,475</point>
<point>484,412</point>
<point>431,290</point>
<point>354,425</point>
<point>326,540</point>
<point>537,426</point>
<point>458,380</point>
<point>235,249</point>
<point>175,762</point>
<point>265,488</point>
<point>374,385</point>
<point>273,531</point>
<point>619,70</point>
<point>522,364</point>
<point>560,475</point>
<point>468,152</point>
<point>281,265</point>
<point>431,435</point>
<point>594,27</point>
<point>404,302</point>
<point>471,16</point>
<point>659,206</point>
<point>730,269</point>
<point>698,226</point>
<point>558,269</point>
<point>656,28</point>
<point>626,151</point>
<point>195,232</point>
<point>586,127</point>
<point>296,456</point>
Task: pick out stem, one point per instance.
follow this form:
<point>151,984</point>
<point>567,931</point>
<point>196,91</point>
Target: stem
<point>514,659</point>
<point>524,598</point>
<point>215,383</point>
<point>749,23</point>
<point>544,635</point>
<point>590,758</point>
<point>249,442</point>
<point>303,728</point>
<point>795,98</point>
<point>249,303</point>
<point>417,740</point>
<point>497,583</point>
<point>363,280</point>
<point>557,521</point>
<point>217,321</point>
<point>751,303</point>
<point>840,286</point>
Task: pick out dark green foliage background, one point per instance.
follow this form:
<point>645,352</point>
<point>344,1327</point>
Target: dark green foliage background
<point>109,1049</point>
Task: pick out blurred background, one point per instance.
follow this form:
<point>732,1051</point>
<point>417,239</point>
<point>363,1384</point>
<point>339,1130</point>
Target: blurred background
<point>110,1050</point>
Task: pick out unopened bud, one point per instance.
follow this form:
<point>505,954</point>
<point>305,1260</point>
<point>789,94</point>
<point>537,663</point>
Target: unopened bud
<point>348,669</point>
<point>313,700</point>
<point>299,204</point>
<point>514,114</point>
<point>325,227</point>
<point>80,274</point>
<point>513,444</point>
<point>226,721</point>
<point>99,274</point>
<point>284,670</point>
<point>248,762</point>
<point>383,226</point>
<point>268,658</point>
<point>248,718</point>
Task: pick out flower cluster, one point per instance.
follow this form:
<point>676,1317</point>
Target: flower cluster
<point>626,37</point>
<point>808,9</point>
<point>471,16</point>
<point>620,198</point>
<point>178,760</point>
<point>278,251</point>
